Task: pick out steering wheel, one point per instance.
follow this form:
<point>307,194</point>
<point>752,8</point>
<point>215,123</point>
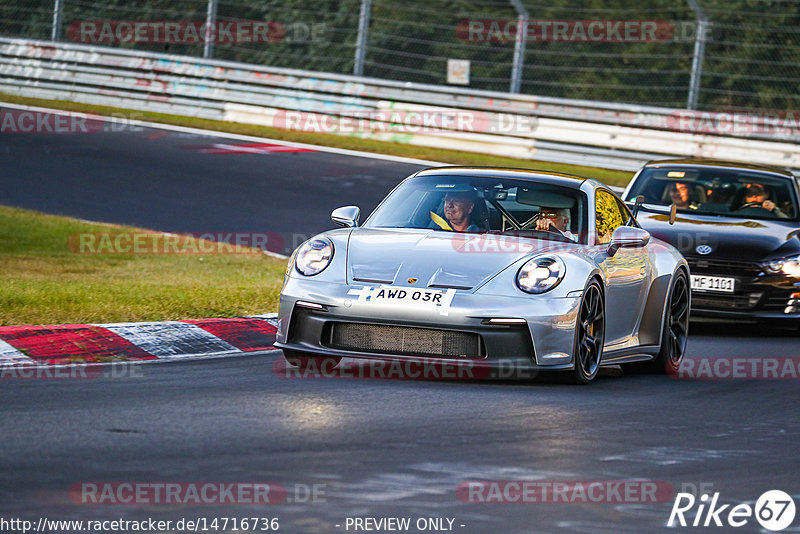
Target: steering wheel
<point>530,224</point>
<point>551,229</point>
<point>750,205</point>
<point>754,208</point>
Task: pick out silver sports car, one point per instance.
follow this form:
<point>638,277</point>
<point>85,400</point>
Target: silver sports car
<point>532,269</point>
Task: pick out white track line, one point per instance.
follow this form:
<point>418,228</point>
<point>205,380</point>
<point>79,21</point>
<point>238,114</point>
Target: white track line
<point>239,137</point>
<point>11,356</point>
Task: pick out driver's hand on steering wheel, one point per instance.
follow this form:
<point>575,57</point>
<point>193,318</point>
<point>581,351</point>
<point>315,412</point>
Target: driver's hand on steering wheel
<point>544,224</point>
<point>768,205</point>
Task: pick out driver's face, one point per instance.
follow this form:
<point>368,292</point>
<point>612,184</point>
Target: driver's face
<point>755,193</point>
<point>457,208</point>
<point>680,193</point>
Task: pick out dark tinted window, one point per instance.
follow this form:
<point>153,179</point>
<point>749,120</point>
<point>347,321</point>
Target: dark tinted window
<point>723,192</point>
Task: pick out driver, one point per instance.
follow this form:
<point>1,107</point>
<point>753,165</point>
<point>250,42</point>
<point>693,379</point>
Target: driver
<point>458,207</point>
<point>755,195</point>
<point>557,218</point>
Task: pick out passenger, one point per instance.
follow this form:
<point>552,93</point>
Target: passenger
<point>679,195</point>
<point>557,218</point>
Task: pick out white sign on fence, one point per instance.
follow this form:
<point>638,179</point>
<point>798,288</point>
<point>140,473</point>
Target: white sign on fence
<point>458,71</point>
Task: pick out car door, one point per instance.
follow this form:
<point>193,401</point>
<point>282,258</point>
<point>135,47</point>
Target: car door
<point>628,272</point>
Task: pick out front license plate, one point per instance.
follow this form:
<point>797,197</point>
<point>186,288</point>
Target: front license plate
<point>409,297</point>
<point>716,284</point>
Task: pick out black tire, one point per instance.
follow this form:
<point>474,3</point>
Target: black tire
<point>674,332</point>
<point>590,331</point>
<point>307,361</point>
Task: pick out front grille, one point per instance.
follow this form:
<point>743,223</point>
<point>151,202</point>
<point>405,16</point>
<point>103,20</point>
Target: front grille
<point>716,266</point>
<point>404,340</point>
<point>725,302</point>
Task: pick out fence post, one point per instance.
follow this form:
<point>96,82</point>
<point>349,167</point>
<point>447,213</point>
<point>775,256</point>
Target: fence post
<point>211,34</point>
<point>361,42</point>
<point>519,46</point>
<point>698,55</point>
<point>58,8</point>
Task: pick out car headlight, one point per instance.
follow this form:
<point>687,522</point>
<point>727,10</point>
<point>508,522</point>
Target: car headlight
<point>789,266</point>
<point>542,274</point>
<point>289,268</point>
<point>313,256</point>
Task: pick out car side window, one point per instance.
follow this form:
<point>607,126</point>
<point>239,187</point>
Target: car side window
<point>625,212</point>
<point>608,216</point>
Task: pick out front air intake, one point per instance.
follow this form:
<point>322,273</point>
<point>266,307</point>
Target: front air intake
<point>388,339</point>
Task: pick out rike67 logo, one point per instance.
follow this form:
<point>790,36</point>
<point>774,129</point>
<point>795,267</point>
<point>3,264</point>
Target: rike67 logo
<point>774,510</point>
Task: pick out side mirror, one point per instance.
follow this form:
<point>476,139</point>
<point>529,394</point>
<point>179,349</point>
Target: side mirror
<point>346,216</point>
<point>627,237</point>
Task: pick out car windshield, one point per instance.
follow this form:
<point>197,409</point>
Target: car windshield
<point>713,191</point>
<point>485,205</point>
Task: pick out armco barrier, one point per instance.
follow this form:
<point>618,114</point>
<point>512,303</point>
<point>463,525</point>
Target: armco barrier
<point>592,133</point>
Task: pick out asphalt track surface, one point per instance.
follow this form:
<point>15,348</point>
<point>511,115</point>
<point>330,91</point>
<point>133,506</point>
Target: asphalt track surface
<point>163,181</point>
<point>381,448</point>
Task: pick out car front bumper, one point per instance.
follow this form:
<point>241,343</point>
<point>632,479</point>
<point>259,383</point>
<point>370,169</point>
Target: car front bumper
<point>544,340</point>
<point>763,298</point>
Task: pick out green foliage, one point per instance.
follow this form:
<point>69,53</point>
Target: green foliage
<point>608,216</point>
<point>752,55</point>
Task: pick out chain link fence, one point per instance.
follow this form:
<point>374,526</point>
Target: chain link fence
<point>746,58</point>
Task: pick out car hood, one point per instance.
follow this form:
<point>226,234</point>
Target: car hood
<point>729,237</point>
<point>435,259</point>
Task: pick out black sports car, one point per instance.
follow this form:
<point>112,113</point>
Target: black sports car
<point>737,225</point>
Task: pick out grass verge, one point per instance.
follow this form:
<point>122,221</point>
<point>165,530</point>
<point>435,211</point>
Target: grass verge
<point>43,282</point>
<point>609,176</point>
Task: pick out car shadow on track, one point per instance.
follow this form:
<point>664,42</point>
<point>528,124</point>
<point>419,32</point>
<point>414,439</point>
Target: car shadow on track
<point>741,329</point>
<point>420,371</point>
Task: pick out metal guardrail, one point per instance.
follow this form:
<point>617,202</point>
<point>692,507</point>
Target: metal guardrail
<point>590,133</point>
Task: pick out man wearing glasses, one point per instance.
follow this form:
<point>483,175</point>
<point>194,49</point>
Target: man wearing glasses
<point>555,220</point>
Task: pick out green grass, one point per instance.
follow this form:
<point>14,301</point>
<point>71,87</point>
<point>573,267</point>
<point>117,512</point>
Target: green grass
<point>43,282</point>
<point>609,176</point>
